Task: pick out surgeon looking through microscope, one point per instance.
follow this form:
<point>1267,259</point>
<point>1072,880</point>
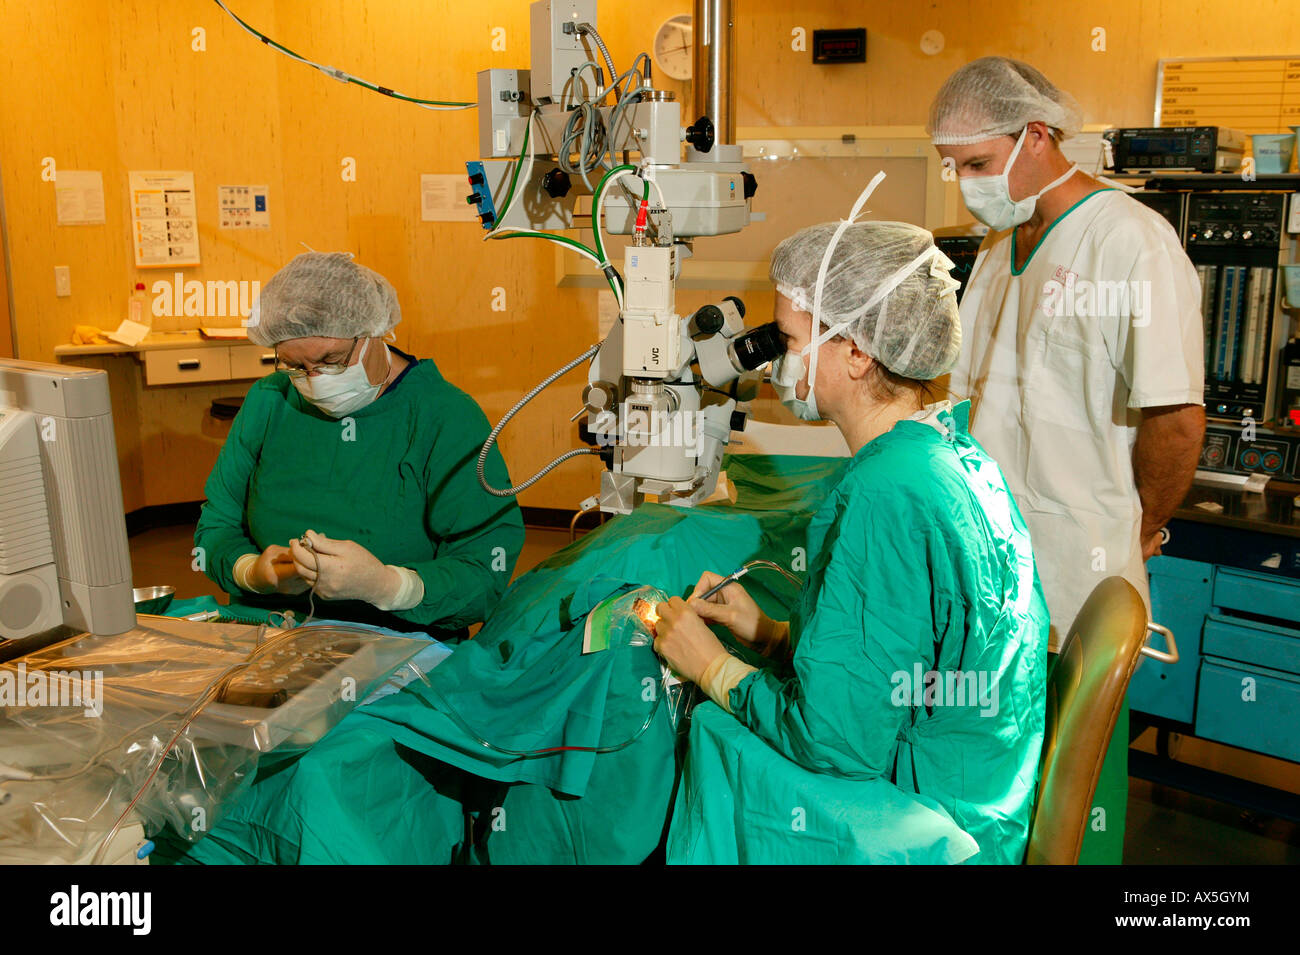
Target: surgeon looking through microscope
<point>919,562</point>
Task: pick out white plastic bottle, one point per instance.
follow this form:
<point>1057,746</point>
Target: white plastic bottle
<point>137,310</point>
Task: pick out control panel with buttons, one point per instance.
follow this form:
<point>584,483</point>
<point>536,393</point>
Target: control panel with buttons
<point>1227,450</point>
<point>1235,241</point>
<point>1235,220</point>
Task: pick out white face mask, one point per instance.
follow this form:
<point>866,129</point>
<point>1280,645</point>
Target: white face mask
<point>989,197</point>
<point>787,372</point>
<point>348,391</point>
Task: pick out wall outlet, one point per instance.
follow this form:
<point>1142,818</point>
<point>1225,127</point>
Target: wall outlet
<point>62,281</point>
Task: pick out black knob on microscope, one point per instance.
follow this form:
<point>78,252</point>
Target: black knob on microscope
<point>701,134</point>
<point>556,183</point>
<point>709,319</point>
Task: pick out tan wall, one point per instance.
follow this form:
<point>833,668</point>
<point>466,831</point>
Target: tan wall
<point>115,86</point>
<point>6,329</point>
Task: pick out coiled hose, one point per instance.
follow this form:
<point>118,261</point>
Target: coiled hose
<point>492,438</point>
<point>585,27</point>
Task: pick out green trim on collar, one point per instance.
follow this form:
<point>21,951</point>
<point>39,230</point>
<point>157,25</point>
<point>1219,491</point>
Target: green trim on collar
<point>1043,238</point>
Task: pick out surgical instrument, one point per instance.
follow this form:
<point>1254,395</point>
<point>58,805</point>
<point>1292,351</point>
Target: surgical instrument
<point>745,569</point>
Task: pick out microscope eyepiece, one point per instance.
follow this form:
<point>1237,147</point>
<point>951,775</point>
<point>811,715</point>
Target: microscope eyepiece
<point>757,347</point>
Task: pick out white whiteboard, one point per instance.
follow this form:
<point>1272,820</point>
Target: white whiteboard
<point>1255,94</point>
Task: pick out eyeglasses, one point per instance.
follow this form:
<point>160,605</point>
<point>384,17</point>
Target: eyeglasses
<point>308,368</point>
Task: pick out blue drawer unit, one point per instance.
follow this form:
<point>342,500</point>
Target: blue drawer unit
<point>1256,593</point>
<point>1253,642</point>
<point>1251,707</point>
<point>1227,583</point>
<point>1181,600</point>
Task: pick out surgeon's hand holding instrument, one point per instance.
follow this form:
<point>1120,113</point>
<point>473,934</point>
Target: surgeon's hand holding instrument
<point>343,569</point>
<point>275,567</point>
<point>762,636</point>
<point>346,570</point>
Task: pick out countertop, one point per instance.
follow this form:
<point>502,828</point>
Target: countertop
<point>1275,511</point>
<point>154,341</point>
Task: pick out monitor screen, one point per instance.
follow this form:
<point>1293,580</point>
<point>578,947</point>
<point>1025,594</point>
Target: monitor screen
<point>64,558</point>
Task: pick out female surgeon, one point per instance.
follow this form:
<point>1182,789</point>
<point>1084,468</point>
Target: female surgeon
<point>915,654</point>
<point>350,472</point>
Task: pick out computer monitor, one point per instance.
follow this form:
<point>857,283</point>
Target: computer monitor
<point>961,243</point>
<point>64,559</point>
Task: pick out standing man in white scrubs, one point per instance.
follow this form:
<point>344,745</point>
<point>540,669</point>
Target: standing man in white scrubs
<point>1081,352</point>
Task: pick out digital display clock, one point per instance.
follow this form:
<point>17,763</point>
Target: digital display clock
<point>840,46</point>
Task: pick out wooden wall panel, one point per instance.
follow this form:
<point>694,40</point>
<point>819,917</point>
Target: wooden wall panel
<point>115,87</point>
<point>6,327</point>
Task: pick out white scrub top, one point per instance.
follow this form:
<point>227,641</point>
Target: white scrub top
<point>1104,319</point>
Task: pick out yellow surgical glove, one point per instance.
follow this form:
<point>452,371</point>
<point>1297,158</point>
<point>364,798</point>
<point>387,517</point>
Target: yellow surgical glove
<point>87,335</point>
<point>721,676</point>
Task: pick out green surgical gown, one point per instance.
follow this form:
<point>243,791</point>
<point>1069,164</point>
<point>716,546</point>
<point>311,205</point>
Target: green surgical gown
<point>918,563</point>
<point>397,477</point>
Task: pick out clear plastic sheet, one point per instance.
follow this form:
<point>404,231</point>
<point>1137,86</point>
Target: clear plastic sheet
<point>164,724</point>
<point>628,620</point>
<point>623,620</point>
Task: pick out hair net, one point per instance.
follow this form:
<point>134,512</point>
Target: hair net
<point>995,96</point>
<point>323,294</point>
<point>914,330</point>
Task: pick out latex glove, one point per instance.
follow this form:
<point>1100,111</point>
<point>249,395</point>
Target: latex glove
<point>722,676</point>
<point>344,570</point>
<point>685,642</point>
<point>274,573</point>
<point>87,335</point>
<point>735,609</point>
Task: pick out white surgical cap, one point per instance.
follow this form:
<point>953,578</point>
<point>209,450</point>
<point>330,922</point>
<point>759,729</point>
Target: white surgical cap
<point>914,330</point>
<point>996,96</point>
<point>325,295</point>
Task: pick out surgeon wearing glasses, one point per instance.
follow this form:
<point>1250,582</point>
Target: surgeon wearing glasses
<point>351,471</point>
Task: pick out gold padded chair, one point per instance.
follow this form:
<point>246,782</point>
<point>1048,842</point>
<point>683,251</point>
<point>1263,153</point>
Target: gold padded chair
<point>1084,696</point>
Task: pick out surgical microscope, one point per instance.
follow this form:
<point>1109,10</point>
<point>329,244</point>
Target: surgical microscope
<point>663,389</point>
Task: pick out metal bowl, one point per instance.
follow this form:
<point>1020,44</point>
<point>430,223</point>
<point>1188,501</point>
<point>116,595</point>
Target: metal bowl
<point>153,599</point>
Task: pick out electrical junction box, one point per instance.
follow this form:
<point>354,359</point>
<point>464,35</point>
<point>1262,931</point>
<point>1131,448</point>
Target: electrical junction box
<point>555,53</point>
<point>503,95</point>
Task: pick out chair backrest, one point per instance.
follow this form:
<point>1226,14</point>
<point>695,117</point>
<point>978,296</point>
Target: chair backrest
<point>1084,695</point>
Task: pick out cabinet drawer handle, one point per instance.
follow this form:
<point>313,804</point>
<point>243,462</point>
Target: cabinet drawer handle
<point>1169,656</point>
<point>187,364</point>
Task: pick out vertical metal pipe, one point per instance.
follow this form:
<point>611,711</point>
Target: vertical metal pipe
<point>711,76</point>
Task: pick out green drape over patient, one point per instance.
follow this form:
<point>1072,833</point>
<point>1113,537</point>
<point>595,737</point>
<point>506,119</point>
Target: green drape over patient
<point>398,780</point>
<point>395,780</point>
